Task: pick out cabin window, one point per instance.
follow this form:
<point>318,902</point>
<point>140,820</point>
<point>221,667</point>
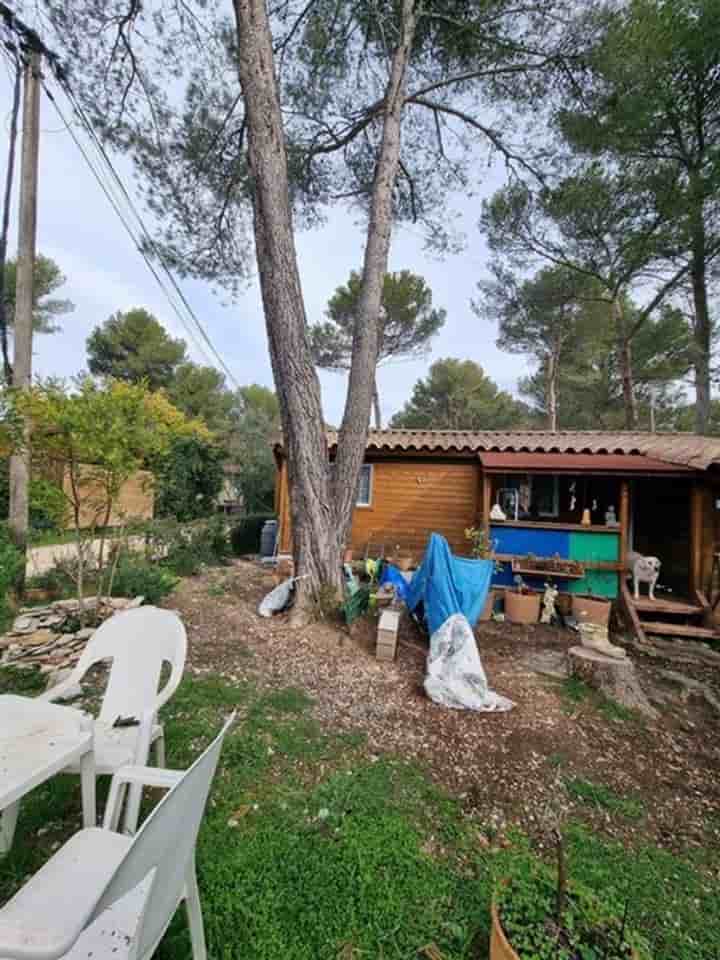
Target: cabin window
<point>537,495</point>
<point>364,497</point>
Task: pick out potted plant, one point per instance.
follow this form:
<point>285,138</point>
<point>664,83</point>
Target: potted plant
<point>537,913</point>
<point>587,608</point>
<point>482,548</point>
<point>522,605</point>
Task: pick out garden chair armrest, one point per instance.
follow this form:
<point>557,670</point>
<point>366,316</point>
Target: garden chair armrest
<point>16,945</point>
<point>66,688</point>
<point>134,774</point>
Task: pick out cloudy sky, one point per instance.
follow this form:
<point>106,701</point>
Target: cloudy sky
<point>78,228</point>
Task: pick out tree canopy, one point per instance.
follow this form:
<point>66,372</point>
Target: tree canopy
<point>256,420</point>
<point>134,346</point>
<point>406,324</point>
<point>202,392</point>
<point>457,395</point>
<point>48,309</point>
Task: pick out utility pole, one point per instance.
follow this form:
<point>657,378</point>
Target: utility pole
<point>22,354</point>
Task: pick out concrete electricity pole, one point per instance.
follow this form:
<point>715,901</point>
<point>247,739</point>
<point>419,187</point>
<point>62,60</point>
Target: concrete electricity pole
<point>22,354</point>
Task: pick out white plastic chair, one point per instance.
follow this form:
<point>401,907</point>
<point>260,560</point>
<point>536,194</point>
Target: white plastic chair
<point>110,896</point>
<point>138,642</point>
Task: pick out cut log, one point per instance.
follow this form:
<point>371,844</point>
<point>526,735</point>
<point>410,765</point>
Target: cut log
<point>613,678</point>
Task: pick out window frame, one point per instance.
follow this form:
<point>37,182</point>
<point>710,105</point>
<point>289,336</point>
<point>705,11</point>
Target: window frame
<point>555,497</point>
<point>362,504</point>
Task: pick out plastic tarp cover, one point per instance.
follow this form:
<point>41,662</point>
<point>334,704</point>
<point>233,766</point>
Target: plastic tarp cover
<point>277,599</point>
<point>455,677</point>
<point>447,585</point>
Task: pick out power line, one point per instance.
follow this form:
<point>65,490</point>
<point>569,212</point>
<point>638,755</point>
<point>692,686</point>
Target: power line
<point>29,39</point>
<point>87,125</point>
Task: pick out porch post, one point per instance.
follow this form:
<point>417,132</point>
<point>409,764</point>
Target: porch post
<point>696,539</point>
<point>487,496</point>
<point>624,521</point>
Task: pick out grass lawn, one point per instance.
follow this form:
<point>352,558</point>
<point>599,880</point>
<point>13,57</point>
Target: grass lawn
<point>312,849</point>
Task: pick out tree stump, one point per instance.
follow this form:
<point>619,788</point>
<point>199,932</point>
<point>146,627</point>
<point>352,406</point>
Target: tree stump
<point>614,678</point>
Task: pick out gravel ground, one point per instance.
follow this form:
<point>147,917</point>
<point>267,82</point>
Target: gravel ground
<point>504,767</point>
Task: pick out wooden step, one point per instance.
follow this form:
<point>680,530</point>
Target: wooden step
<point>670,607</point>
<point>678,630</point>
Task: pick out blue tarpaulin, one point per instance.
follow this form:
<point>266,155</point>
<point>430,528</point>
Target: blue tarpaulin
<point>447,585</point>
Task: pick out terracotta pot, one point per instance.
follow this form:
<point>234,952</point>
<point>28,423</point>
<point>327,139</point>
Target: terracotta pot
<point>563,604</point>
<point>487,610</point>
<point>522,607</point>
<point>500,949</point>
<point>590,610</point>
<point>348,555</point>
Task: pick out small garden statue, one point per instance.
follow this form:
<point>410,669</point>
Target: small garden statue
<point>549,614</point>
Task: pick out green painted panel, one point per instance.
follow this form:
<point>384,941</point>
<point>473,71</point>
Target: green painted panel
<point>600,583</point>
<point>600,547</point>
<point>595,548</point>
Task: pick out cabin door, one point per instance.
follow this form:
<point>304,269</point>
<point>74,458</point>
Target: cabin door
<point>661,528</point>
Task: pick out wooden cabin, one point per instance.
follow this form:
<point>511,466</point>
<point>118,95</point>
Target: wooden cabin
<point>558,492</point>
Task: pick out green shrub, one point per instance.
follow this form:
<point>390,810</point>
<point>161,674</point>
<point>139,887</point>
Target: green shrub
<point>135,577</point>
<point>188,479</point>
<point>245,536</point>
<point>589,926</point>
<point>11,562</point>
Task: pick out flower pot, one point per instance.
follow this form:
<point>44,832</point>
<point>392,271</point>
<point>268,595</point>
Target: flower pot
<point>590,610</point>
<point>522,607</point>
<point>348,555</point>
<point>487,610</point>
<point>500,949</point>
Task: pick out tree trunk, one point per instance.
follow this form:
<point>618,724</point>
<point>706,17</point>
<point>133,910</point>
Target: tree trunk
<point>9,177</point>
<point>552,374</point>
<point>354,428</point>
<point>702,330</point>
<point>376,406</point>
<point>624,347</point>
<point>317,537</point>
<point>321,512</point>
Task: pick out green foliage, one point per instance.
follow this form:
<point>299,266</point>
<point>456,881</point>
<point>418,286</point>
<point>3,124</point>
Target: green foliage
<point>256,420</point>
<point>201,392</point>
<point>21,680</point>
<point>591,928</point>
<point>135,347</point>
<point>12,563</point>
<point>48,506</point>
<point>407,324</point>
<point>598,795</point>
<point>135,577</point>
<point>245,535</point>
<point>457,395</point>
<point>47,280</point>
<point>188,478</point>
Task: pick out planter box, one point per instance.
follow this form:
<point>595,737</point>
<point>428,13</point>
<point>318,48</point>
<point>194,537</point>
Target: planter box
<point>500,949</point>
<point>522,607</point>
<point>591,610</point>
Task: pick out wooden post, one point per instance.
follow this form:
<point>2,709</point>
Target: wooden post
<point>486,505</point>
<point>624,521</point>
<point>18,514</point>
<point>696,530</point>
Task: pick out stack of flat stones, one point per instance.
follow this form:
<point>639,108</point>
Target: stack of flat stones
<point>43,637</point>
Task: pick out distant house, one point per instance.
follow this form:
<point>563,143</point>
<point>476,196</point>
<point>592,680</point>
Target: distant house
<point>663,488</point>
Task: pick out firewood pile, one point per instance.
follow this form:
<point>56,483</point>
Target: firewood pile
<point>53,637</point>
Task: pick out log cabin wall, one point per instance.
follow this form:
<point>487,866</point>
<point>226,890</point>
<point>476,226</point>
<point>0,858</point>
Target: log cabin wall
<point>410,499</point>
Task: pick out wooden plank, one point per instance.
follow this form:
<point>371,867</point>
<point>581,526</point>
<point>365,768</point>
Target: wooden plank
<point>678,630</point>
<point>557,525</point>
<point>624,519</point>
<point>671,607</point>
<point>707,613</point>
<point>628,605</point>
<point>486,503</point>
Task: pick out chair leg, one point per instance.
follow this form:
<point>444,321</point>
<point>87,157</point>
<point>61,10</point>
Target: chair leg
<point>160,750</point>
<point>132,808</point>
<point>87,784</point>
<point>8,819</point>
<point>194,915</point>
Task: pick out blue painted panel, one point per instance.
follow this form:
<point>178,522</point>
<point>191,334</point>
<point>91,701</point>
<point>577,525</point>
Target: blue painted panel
<point>519,542</point>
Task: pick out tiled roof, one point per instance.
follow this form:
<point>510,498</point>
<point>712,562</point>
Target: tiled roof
<point>682,448</point>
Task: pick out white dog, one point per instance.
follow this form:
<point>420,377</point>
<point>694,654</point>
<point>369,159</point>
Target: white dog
<point>643,570</point>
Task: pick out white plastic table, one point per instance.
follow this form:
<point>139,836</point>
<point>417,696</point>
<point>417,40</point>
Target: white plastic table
<point>38,740</point>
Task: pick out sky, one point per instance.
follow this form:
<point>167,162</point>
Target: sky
<point>78,228</point>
